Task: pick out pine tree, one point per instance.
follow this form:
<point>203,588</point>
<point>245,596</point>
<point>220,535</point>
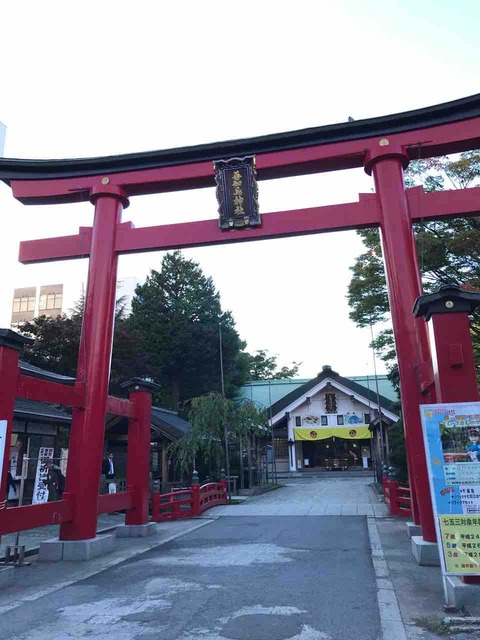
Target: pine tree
<point>177,313</point>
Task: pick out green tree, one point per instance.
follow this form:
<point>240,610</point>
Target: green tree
<point>177,313</point>
<point>449,251</point>
<point>210,415</point>
<point>398,453</point>
<point>261,366</point>
<point>57,340</point>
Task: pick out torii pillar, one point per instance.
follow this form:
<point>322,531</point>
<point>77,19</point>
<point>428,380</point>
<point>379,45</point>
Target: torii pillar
<point>386,163</point>
<point>94,361</point>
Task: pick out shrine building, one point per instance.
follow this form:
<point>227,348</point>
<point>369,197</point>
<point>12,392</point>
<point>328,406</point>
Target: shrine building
<point>329,422</point>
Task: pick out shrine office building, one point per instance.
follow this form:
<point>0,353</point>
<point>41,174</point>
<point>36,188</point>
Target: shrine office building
<point>329,422</point>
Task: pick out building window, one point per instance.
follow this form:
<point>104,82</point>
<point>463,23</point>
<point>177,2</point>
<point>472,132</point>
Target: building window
<point>367,418</point>
<point>340,420</point>
<point>330,403</point>
<point>281,447</point>
<point>298,421</point>
<point>51,301</point>
<point>25,303</point>
<point>324,420</point>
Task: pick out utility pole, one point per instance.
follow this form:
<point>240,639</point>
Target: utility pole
<point>274,464</point>
<point>225,430</point>
<point>382,444</point>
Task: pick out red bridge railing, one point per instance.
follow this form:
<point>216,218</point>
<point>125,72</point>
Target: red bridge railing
<point>188,503</point>
<point>397,496</point>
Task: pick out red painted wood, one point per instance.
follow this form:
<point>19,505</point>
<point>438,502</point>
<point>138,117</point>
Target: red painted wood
<point>46,391</point>
<point>403,279</point>
<point>364,213</point>
<point>441,204</point>
<point>120,407</point>
<point>8,387</point>
<point>398,498</point>
<point>428,142</point>
<point>274,225</point>
<point>32,516</point>
<point>88,425</point>
<point>455,376</point>
<point>110,502</point>
<point>138,456</point>
<point>168,506</point>
<point>213,494</point>
<point>283,223</point>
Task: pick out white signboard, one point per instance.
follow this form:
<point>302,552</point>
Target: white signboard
<point>63,461</point>
<point>40,489</point>
<point>3,440</point>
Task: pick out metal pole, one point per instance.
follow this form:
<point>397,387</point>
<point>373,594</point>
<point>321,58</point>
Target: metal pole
<point>25,462</point>
<point>225,430</point>
<point>382,444</point>
<point>274,464</point>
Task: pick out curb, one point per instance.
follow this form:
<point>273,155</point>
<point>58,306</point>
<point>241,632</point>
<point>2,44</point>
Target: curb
<point>33,551</point>
<point>393,627</point>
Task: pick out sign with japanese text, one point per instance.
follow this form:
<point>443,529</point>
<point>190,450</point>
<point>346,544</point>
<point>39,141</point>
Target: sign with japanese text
<point>452,441</point>
<point>237,193</point>
<point>40,489</point>
<point>461,544</point>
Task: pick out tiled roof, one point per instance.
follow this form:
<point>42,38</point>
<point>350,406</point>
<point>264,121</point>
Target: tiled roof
<point>267,392</point>
<point>369,394</point>
<point>30,370</point>
<point>34,410</point>
<point>169,423</point>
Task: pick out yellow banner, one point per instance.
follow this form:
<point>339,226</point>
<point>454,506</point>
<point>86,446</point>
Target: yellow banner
<point>348,433</point>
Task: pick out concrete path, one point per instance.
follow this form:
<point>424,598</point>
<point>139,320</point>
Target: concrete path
<point>33,537</point>
<point>253,577</point>
<point>333,496</point>
<point>244,578</point>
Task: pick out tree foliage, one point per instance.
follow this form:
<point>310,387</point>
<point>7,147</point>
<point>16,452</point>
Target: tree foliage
<point>398,452</point>
<point>209,416</point>
<point>178,315</point>
<point>57,340</point>
<point>448,250</point>
<point>261,366</point>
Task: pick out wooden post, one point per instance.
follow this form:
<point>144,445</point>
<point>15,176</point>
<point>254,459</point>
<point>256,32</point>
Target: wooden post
<point>242,471</point>
<point>259,463</point>
<point>164,466</point>
<point>249,457</point>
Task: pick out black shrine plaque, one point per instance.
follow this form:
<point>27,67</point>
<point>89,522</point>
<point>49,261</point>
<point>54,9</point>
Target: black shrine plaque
<point>237,193</point>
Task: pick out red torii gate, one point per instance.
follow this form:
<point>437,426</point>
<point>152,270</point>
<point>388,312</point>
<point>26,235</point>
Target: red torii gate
<point>383,146</point>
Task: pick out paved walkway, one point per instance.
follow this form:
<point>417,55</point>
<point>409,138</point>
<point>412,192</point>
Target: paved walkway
<point>329,497</point>
<point>33,537</point>
<point>246,578</point>
<point>253,577</point>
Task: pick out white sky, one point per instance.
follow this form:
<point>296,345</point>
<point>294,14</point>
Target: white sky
<point>100,78</point>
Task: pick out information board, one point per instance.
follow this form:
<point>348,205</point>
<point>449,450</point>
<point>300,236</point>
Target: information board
<point>452,442</point>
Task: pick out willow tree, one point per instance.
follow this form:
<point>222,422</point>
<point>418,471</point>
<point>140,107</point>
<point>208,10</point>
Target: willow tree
<point>214,422</point>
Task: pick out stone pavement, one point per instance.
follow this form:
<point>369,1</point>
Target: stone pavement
<point>329,497</point>
<point>419,590</point>
<point>259,576</point>
<point>235,578</point>
<point>33,537</point>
